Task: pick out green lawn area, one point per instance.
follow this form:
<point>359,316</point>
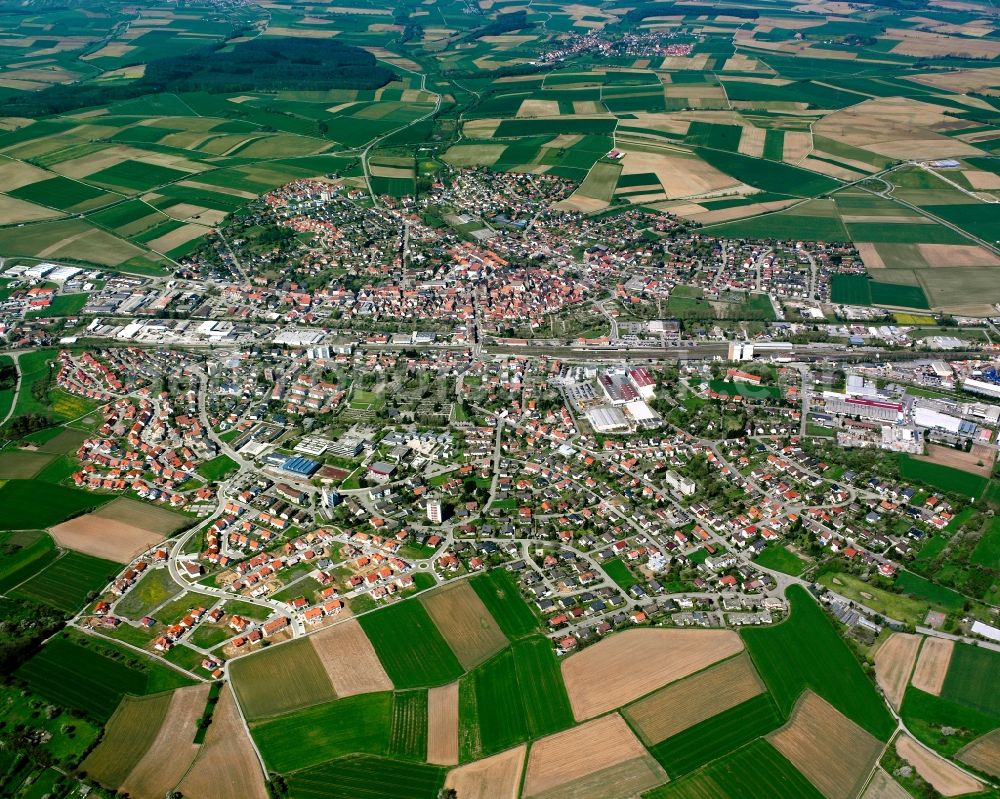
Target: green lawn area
<point>153,589</point>
<point>62,305</point>
<point>923,589</point>
<point>896,606</point>
<point>619,572</point>
<point>217,468</point>
<point>780,559</point>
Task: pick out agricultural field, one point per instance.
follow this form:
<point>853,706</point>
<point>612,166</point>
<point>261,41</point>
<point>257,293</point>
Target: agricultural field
<point>118,531</point>
<point>33,504</point>
<point>683,704</point>
<point>354,778</point>
<point>757,769</point>
<point>350,660</point>
<point>69,581</point>
<point>258,693</point>
<point>360,723</point>
<point>78,673</point>
<point>127,737</point>
<point>410,647</point>
<point>806,652</point>
<point>466,624</point>
<point>498,591</point>
<point>633,663</point>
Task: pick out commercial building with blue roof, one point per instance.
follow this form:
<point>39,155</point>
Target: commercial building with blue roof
<point>300,467</point>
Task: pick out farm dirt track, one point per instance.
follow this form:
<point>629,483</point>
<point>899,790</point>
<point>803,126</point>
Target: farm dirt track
<point>497,777</point>
<point>442,725</point>
<point>894,663</point>
<point>173,750</point>
<point>465,623</point>
<point>932,665</point>
<point>633,663</point>
<point>883,786</point>
<point>830,750</point>
<point>942,775</point>
<point>350,660</point>
<point>226,750</point>
<point>984,753</point>
<point>601,759</point>
<point>683,704</point>
<point>129,734</point>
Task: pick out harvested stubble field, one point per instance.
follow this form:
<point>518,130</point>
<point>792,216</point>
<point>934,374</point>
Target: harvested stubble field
<point>944,777</point>
<point>497,777</point>
<point>830,750</point>
<point>894,663</point>
<point>442,725</point>
<point>984,753</point>
<point>119,531</point>
<point>883,786</point>
<point>260,694</point>
<point>695,699</point>
<point>465,623</point>
<point>129,734</point>
<point>601,759</point>
<point>227,750</point>
<point>932,665</point>
<point>633,663</point>
<point>979,460</point>
<point>22,464</point>
<point>350,660</point>
<point>173,750</point>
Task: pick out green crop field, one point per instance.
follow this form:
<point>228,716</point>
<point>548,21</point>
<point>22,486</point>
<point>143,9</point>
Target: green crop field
<point>34,504</point>
<point>367,777</point>
<point>357,724</point>
<point>498,591</point>
<point>408,736</point>
<point>717,736</point>
<point>925,715</point>
<point>412,650</point>
<point>491,714</point>
<point>25,553</point>
<point>971,679</point>
<point>805,651</point>
<point>768,175</point>
<point>536,127</point>
<point>76,672</point>
<point>516,695</point>
<point>261,695</point>
<point>781,559</point>
<point>67,582</point>
<point>943,478</point>
<point>546,703</point>
<point>745,390</point>
<point>758,769</point>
